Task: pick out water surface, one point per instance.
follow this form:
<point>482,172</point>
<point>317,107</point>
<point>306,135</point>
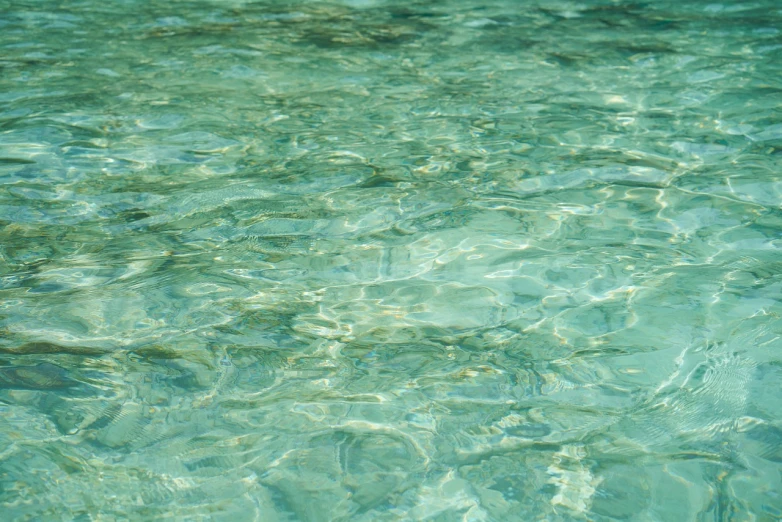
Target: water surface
<point>368,260</point>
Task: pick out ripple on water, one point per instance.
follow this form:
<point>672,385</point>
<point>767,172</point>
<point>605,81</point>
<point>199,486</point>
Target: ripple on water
<point>362,261</point>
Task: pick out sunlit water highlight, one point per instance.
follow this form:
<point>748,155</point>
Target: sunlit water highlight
<point>366,260</point>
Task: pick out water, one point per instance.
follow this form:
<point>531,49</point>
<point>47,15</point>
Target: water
<point>370,260</point>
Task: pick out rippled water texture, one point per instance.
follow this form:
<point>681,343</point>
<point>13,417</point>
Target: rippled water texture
<point>366,260</point>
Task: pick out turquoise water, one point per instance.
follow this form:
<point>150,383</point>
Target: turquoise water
<point>367,260</point>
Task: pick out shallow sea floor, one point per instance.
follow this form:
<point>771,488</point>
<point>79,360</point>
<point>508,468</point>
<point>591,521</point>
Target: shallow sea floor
<point>379,261</point>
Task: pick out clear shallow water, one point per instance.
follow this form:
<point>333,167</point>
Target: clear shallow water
<point>390,261</point>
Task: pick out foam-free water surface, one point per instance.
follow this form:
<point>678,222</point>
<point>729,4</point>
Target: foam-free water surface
<point>367,260</point>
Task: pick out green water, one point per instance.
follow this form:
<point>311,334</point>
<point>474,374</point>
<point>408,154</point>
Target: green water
<point>374,261</point>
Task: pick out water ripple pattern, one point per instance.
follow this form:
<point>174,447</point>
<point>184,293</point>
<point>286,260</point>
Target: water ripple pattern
<point>370,260</point>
